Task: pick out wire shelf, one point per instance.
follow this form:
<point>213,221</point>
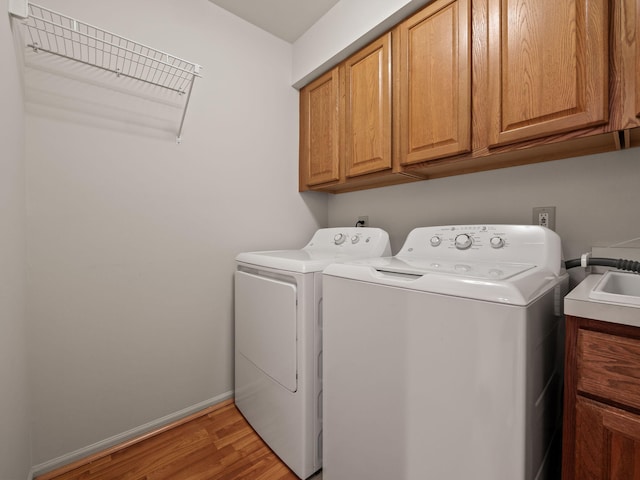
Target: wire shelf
<point>58,34</point>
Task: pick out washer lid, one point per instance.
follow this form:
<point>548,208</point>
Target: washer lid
<point>418,266</point>
<point>513,284</point>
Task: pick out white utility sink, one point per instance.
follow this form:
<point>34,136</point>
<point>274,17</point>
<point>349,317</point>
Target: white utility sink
<point>618,287</point>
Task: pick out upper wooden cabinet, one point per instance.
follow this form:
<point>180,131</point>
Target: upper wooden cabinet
<point>345,125</point>
<point>625,63</point>
<point>548,67</point>
<point>433,88</point>
<point>320,130</point>
<point>637,66</point>
<point>625,69</point>
<point>469,85</point>
<point>368,109</point>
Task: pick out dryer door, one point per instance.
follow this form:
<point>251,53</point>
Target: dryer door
<point>266,330</point>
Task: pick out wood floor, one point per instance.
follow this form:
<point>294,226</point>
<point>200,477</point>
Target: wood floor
<point>215,444</point>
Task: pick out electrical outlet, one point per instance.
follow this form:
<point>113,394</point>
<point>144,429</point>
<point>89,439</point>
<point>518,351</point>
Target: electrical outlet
<point>363,221</point>
<point>545,217</point>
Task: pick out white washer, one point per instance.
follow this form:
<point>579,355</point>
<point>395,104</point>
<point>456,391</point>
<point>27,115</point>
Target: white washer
<point>442,362</point>
<point>278,339</point>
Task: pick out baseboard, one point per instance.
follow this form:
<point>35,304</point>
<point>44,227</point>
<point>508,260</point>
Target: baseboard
<point>134,433</point>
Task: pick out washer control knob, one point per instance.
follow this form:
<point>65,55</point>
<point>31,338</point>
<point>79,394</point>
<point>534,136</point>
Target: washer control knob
<point>435,241</point>
<point>355,239</point>
<point>463,241</point>
<point>497,242</point>
<point>339,239</point>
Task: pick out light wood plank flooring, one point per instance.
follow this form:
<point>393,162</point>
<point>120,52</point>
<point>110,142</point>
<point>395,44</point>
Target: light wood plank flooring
<point>215,444</point>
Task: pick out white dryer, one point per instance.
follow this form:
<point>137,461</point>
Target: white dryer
<point>278,341</point>
<point>443,361</point>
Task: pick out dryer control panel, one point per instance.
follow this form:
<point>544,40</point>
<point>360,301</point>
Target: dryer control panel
<point>360,241</point>
<point>327,246</point>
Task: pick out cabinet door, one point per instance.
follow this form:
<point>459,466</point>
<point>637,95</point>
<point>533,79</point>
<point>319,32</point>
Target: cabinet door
<point>548,67</point>
<point>607,442</point>
<point>637,37</point>
<point>319,130</point>
<point>368,109</point>
<point>609,367</point>
<point>434,83</point>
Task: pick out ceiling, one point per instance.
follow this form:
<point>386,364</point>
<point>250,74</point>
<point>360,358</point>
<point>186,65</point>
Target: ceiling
<point>286,19</point>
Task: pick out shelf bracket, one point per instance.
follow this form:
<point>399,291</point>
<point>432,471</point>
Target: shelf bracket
<point>19,8</point>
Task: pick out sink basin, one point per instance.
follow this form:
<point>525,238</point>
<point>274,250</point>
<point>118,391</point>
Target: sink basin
<point>618,287</point>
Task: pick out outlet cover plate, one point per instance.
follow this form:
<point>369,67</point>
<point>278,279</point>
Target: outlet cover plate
<point>544,216</point>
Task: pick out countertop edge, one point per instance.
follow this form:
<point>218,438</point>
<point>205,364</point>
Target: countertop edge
<point>578,304</point>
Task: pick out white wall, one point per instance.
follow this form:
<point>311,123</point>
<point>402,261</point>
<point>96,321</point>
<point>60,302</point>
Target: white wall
<point>596,199</point>
<point>14,400</point>
<point>132,238</point>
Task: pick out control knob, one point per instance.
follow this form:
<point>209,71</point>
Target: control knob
<point>339,239</point>
<point>496,242</point>
<point>463,241</point>
<point>435,241</point>
<point>355,239</point>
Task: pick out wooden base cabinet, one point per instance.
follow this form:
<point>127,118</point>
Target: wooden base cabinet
<point>601,438</point>
<point>607,442</point>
